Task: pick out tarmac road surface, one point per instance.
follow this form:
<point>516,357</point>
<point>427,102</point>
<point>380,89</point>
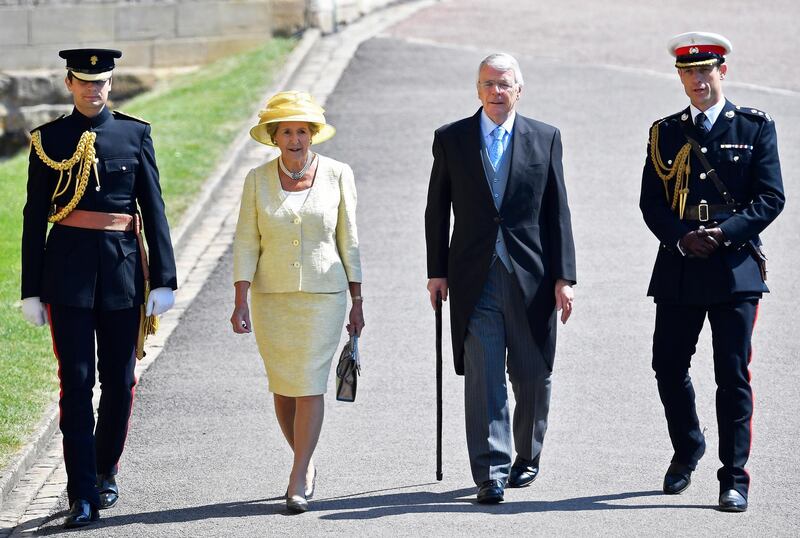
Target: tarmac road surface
<point>205,456</point>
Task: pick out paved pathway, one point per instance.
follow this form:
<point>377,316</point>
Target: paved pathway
<point>205,457</point>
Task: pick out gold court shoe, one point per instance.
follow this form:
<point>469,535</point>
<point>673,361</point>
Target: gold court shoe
<point>297,504</point>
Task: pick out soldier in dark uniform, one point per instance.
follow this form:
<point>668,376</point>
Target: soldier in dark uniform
<point>91,174</point>
<point>711,184</point>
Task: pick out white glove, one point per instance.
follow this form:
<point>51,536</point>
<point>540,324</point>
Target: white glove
<point>34,311</point>
<point>159,301</point>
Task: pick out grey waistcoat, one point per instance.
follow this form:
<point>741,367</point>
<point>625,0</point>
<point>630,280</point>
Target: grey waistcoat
<point>498,179</point>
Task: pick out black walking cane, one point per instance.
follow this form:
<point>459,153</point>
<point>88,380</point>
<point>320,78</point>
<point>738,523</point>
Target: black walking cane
<point>439,385</point>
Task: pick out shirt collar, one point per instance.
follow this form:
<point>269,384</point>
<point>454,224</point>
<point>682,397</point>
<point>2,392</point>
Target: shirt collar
<point>712,113</point>
<point>487,125</point>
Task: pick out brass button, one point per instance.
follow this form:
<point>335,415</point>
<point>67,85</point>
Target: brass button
<point>297,220</point>
<point>296,264</point>
<point>295,242</point>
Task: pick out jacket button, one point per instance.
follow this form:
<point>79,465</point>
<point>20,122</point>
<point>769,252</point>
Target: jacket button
<point>296,220</point>
<point>296,264</point>
<point>295,242</point>
<point>124,168</point>
<point>498,220</point>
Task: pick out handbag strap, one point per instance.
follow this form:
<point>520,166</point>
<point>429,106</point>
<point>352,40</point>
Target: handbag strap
<point>356,354</point>
<point>710,172</point>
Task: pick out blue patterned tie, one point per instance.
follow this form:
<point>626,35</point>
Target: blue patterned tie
<point>496,147</point>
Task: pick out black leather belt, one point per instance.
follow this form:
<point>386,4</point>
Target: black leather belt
<point>706,212</point>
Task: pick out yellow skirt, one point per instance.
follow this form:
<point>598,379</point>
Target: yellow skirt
<point>298,335</point>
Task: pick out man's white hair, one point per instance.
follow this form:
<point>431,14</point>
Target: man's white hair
<point>502,62</point>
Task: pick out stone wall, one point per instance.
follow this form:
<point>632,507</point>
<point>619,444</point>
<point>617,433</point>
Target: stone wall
<point>159,33</point>
<point>152,33</point>
<point>327,15</point>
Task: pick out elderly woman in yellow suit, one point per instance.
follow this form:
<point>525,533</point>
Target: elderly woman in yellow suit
<point>296,252</point>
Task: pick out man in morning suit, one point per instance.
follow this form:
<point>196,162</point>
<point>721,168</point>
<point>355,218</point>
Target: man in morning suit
<point>89,175</point>
<point>711,184</point>
<point>509,266</point>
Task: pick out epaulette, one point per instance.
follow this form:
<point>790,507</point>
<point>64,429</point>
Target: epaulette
<point>61,117</point>
<point>753,112</point>
<point>676,116</point>
<point>124,116</point>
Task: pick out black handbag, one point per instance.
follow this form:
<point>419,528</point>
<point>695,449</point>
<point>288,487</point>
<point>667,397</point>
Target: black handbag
<point>347,371</point>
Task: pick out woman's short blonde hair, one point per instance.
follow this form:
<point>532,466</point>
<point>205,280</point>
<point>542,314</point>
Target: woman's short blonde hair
<point>272,128</point>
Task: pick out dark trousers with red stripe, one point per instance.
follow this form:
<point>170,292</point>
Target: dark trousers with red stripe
<point>676,333</point>
<point>89,450</point>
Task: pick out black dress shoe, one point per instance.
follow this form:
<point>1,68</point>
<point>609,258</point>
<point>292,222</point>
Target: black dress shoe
<point>108,490</point>
<point>523,472</point>
<point>81,513</point>
<point>677,479</point>
<point>491,492</point>
<point>732,501</point>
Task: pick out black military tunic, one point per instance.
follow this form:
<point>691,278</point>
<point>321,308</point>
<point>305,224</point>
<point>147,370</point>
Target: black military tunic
<point>92,280</point>
<point>726,287</point>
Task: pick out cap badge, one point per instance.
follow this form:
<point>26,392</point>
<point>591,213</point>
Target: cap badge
<point>685,116</point>
<point>729,114</point>
<point>93,60</point>
<point>694,50</point>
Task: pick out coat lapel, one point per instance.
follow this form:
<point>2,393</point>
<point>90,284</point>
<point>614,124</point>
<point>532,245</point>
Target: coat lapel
<point>723,122</point>
<point>521,154</point>
<point>686,123</point>
<point>274,199</point>
<point>471,148</point>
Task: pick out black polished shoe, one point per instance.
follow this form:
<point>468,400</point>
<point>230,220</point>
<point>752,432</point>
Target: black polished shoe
<point>491,492</point>
<point>732,501</point>
<point>677,479</point>
<point>523,472</point>
<point>81,513</point>
<point>108,490</point>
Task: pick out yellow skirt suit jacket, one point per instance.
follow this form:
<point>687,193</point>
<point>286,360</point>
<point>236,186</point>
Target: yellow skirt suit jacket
<point>299,264</point>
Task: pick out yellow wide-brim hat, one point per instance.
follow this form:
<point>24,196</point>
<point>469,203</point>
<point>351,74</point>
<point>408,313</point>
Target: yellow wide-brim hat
<point>292,106</point>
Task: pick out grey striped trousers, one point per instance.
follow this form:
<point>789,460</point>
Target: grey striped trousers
<point>499,324</point>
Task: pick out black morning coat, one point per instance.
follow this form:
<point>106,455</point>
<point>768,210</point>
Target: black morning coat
<point>95,268</point>
<point>742,147</point>
<point>534,219</point>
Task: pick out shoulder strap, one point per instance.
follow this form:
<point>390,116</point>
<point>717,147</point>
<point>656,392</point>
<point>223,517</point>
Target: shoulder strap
<point>710,172</point>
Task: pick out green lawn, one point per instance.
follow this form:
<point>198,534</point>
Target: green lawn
<point>194,119</point>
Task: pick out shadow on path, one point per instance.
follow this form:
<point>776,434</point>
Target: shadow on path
<point>365,505</point>
<point>463,501</point>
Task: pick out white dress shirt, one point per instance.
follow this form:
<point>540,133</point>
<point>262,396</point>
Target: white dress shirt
<point>488,127</point>
<point>711,114</point>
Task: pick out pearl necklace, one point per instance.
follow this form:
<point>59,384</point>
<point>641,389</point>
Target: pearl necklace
<point>297,176</point>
